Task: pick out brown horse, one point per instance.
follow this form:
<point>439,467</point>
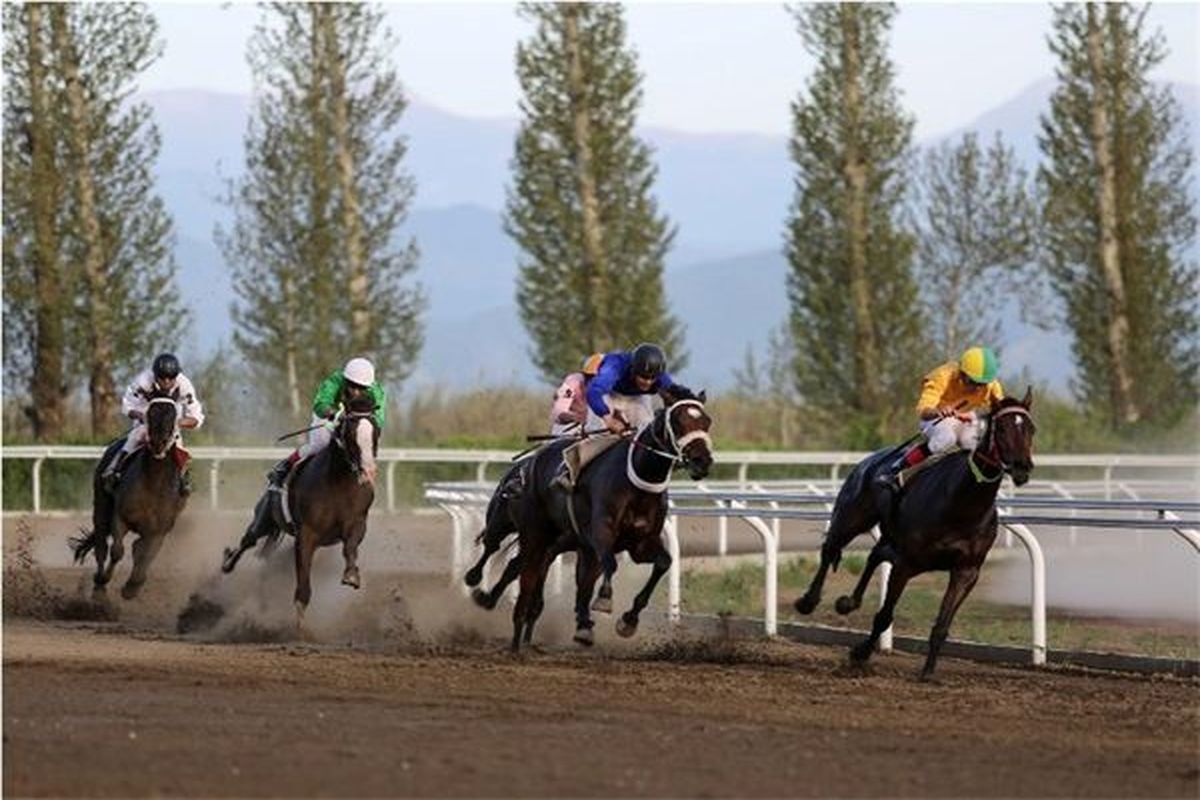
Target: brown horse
<point>328,498</point>
<point>619,505</point>
<point>945,520</point>
<point>146,501</point>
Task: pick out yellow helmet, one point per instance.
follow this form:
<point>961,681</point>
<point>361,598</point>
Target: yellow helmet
<point>979,364</point>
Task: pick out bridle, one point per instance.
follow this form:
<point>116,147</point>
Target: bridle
<point>174,431</point>
<point>344,428</point>
<point>990,456</point>
<point>672,450</point>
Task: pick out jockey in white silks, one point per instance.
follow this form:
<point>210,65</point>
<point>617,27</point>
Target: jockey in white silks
<point>163,379</point>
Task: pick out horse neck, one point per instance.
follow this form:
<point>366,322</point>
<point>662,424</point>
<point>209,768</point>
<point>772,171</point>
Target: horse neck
<point>158,470</point>
<point>650,466</point>
<point>968,491</point>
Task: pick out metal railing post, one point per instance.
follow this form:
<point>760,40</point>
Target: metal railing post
<point>214,474</point>
<point>390,477</point>
<point>37,485</point>
<point>1037,567</point>
<point>674,590</point>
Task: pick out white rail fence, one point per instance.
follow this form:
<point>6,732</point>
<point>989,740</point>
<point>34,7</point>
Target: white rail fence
<point>764,510</point>
<point>1109,466</point>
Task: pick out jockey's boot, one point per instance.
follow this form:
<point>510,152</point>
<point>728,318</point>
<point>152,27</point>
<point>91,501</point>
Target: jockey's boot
<point>279,473</point>
<point>112,473</point>
<point>902,469</point>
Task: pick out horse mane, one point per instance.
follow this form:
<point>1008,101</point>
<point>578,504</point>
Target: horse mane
<point>679,392</point>
<point>363,404</point>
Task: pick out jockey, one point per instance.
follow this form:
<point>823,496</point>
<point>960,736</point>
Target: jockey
<point>951,396</point>
<point>619,398</point>
<point>162,379</point>
<point>354,380</point>
<point>570,409</point>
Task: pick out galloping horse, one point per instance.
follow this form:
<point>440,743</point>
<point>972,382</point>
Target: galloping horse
<point>945,520</point>
<point>146,501</point>
<point>619,504</point>
<point>328,498</point>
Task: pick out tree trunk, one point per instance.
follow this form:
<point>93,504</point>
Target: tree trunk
<point>360,315</point>
<point>46,383</point>
<point>1123,406</point>
<point>854,171</point>
<point>101,387</point>
<point>323,299</point>
<point>595,302</point>
<point>291,337</point>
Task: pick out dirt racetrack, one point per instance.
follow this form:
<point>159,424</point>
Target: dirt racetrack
<point>408,692</point>
<point>93,711</point>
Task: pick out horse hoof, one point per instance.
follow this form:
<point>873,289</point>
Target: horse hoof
<point>585,637</point>
<point>845,604</point>
<point>602,605</point>
<point>351,579</point>
<point>806,604</point>
<point>130,590</point>
<point>625,629</point>
<point>473,577</point>
<point>230,559</point>
<point>859,655</point>
<point>482,599</point>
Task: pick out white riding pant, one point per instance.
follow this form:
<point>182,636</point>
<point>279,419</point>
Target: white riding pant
<point>318,438</point>
<point>943,434</point>
<point>637,409</point>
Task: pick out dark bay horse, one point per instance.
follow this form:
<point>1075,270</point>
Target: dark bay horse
<point>145,501</point>
<point>328,498</point>
<point>619,505</point>
<point>945,520</point>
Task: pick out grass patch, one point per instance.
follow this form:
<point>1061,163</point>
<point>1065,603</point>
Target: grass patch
<point>739,591</point>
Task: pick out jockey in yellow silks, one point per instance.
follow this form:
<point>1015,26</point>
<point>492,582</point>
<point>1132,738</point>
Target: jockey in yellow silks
<point>952,395</point>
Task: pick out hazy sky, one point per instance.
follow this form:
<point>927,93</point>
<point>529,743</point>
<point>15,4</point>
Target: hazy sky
<point>707,67</point>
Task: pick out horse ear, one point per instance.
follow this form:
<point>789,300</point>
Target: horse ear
<point>1028,401</point>
<point>703,395</point>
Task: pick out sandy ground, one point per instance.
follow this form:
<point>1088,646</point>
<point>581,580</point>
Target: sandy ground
<point>405,689</point>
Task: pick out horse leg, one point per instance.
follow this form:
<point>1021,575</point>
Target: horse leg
<point>658,555</point>
<point>144,551</point>
<point>306,543</point>
<point>883,618</point>
<point>529,575</point>
<point>587,570</point>
<point>962,581</point>
<point>538,603</point>
<point>882,551</point>
<point>494,532</point>
<point>849,520</point>
<point>259,527</point>
<point>350,545</point>
<point>116,552</point>
<point>488,599</point>
<point>602,540</point>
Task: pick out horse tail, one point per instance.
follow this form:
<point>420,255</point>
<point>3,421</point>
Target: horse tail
<point>84,543</point>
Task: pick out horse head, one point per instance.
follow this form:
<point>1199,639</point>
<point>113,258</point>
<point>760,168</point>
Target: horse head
<point>687,424</point>
<point>1010,436</point>
<point>162,420</point>
<point>357,436</point>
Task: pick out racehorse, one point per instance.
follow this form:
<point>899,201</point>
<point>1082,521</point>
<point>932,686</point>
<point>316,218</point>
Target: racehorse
<point>328,497</point>
<point>619,505</point>
<point>945,520</point>
<point>146,501</point>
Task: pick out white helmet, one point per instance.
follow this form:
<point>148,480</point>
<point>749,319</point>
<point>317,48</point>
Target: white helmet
<point>360,371</point>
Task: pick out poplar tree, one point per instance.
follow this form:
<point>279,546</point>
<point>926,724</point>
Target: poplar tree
<point>855,313</point>
<point>318,263</point>
<point>976,225</point>
<point>581,207</point>
<point>81,167</point>
<point>1118,219</point>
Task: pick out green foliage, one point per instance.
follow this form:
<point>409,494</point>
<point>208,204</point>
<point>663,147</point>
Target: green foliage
<point>1139,316</point>
<point>51,303</point>
<point>580,207</point>
<point>854,303</point>
<point>976,227</point>
<point>318,264</point>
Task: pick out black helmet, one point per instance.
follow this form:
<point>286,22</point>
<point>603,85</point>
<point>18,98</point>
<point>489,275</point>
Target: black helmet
<point>649,361</point>
<point>166,366</point>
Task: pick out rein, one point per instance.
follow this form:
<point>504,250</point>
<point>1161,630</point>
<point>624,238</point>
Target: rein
<point>991,458</point>
<point>676,443</point>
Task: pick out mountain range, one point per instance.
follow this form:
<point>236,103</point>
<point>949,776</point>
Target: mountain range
<point>727,194</point>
